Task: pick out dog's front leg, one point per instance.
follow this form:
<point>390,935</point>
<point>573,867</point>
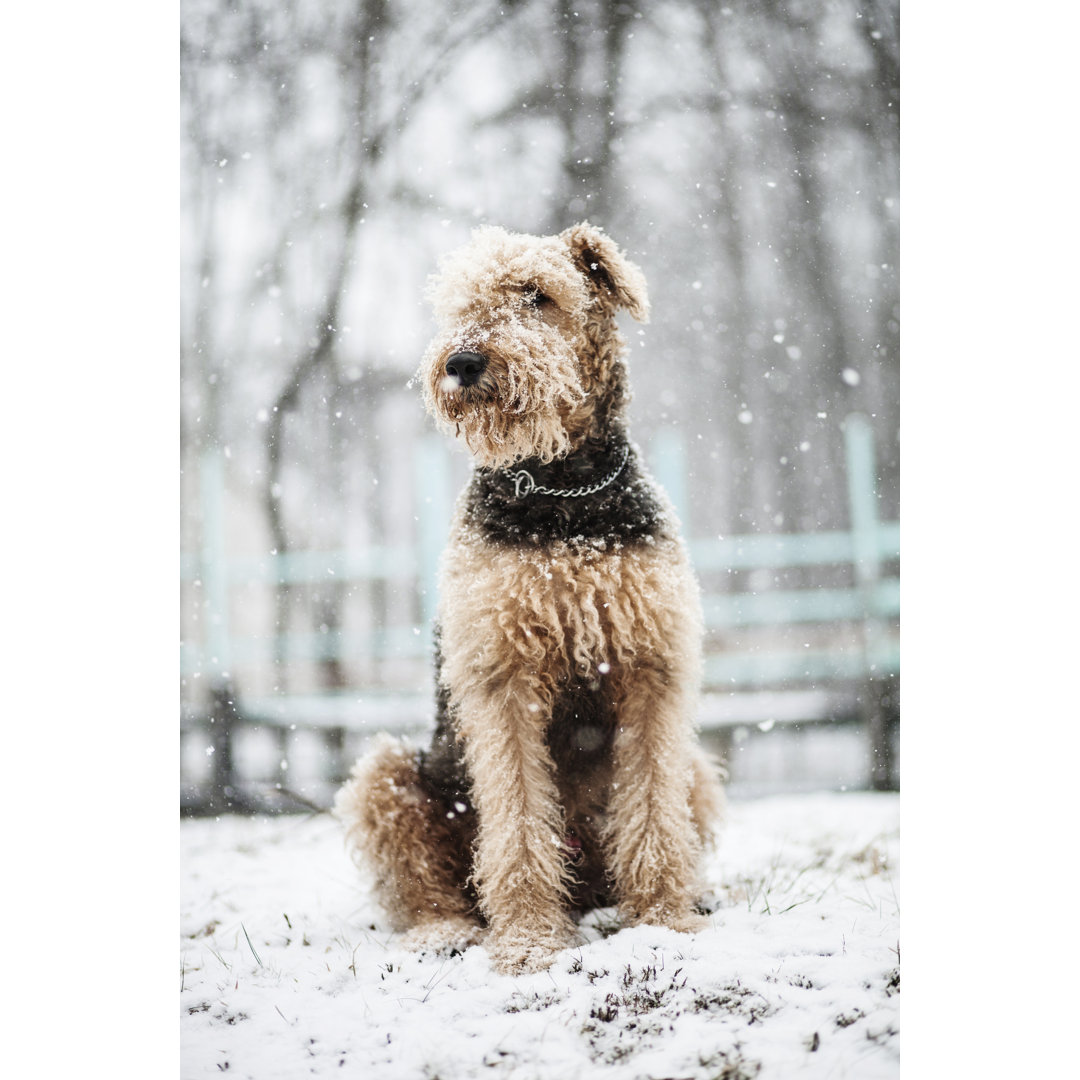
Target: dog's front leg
<point>652,843</point>
<point>519,869</point>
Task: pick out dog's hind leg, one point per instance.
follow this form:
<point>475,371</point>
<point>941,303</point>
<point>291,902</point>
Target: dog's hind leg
<point>416,850</point>
<point>708,804</point>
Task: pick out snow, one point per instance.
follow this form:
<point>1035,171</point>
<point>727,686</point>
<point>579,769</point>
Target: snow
<point>288,968</point>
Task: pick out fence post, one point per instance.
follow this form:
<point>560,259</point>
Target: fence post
<point>668,464</point>
<point>431,483</point>
<point>224,718</point>
<point>862,501</point>
<point>214,572</point>
<point>866,559</point>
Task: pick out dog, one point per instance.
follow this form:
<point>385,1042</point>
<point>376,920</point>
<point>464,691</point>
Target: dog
<point>564,773</point>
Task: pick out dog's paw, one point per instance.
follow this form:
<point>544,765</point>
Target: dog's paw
<point>516,959</point>
<point>443,935</point>
<point>518,954</point>
<point>684,921</point>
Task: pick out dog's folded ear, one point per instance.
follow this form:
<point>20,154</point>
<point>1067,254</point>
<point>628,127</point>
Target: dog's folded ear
<point>609,269</point>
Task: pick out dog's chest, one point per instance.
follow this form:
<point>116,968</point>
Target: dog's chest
<point>584,605</point>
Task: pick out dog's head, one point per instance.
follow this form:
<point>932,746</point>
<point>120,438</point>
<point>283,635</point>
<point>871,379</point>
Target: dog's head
<point>528,361</point>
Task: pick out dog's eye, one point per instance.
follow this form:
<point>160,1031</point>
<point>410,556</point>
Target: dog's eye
<point>535,298</point>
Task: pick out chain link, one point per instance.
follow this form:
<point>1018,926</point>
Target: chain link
<point>524,484</point>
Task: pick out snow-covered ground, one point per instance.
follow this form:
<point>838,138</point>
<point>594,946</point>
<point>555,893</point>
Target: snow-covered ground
<point>287,968</point>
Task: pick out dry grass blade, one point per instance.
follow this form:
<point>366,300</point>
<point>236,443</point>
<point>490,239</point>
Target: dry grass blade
<point>250,946</point>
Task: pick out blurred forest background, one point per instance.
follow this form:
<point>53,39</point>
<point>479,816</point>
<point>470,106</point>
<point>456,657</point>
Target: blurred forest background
<point>745,155</point>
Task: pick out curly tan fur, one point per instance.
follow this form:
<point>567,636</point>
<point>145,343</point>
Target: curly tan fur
<point>392,825</point>
<point>564,772</point>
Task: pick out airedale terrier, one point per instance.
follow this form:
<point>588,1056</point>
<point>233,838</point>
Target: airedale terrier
<point>564,774</point>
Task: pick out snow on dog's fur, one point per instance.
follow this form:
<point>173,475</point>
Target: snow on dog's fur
<point>563,774</point>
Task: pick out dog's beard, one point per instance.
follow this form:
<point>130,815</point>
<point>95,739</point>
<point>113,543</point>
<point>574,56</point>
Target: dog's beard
<point>503,423</point>
<point>497,438</point>
<point>455,402</point>
<point>525,404</point>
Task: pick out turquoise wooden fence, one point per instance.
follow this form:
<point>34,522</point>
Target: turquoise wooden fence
<point>868,600</point>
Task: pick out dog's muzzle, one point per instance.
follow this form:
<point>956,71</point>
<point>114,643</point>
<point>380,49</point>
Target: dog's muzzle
<point>466,368</point>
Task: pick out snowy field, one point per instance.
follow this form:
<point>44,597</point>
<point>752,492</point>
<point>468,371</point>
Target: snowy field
<point>287,968</point>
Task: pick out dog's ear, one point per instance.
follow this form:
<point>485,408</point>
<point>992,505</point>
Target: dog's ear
<point>608,268</point>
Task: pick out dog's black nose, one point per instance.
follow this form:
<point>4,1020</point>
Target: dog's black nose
<point>466,367</point>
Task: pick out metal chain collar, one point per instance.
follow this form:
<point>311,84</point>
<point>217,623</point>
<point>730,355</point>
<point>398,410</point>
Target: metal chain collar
<point>524,484</point>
